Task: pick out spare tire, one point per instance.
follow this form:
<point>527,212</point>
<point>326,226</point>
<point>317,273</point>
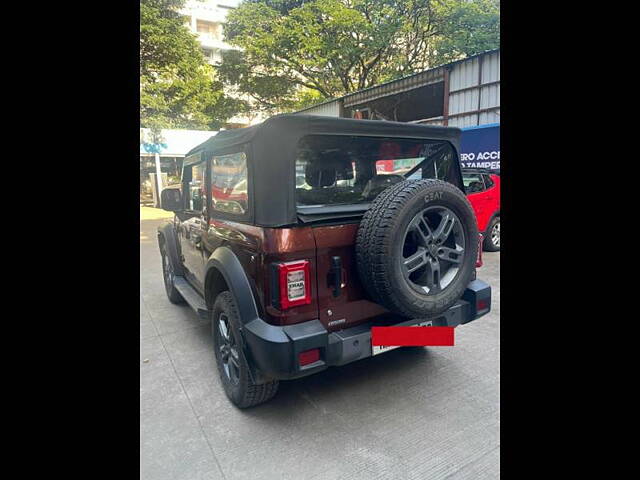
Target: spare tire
<point>416,247</point>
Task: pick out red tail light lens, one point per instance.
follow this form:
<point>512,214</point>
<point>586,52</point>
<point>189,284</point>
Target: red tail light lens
<point>479,258</point>
<point>482,304</point>
<point>295,287</point>
<point>308,357</point>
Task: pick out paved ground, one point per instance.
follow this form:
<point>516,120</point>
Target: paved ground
<point>407,414</point>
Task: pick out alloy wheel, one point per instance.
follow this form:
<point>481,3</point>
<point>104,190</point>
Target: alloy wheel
<point>228,349</point>
<point>167,271</point>
<point>433,250</point>
<point>495,234</point>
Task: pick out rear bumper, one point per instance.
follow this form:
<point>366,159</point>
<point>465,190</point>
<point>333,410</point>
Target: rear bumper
<point>274,350</point>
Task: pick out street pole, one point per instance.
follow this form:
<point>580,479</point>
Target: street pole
<point>158,180</point>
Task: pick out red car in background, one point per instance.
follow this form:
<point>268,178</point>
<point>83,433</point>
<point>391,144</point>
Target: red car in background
<point>483,191</point>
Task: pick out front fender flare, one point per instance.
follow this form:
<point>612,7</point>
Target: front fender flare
<point>166,230</point>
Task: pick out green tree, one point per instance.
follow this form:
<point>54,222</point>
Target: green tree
<point>178,89</point>
<point>468,28</point>
<point>296,52</point>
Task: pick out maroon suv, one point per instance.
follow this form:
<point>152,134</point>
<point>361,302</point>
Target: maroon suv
<point>338,225</point>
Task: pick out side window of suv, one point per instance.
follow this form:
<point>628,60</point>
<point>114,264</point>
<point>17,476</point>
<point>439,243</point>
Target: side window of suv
<point>473,183</point>
<point>197,194</point>
<point>229,192</point>
<point>487,181</point>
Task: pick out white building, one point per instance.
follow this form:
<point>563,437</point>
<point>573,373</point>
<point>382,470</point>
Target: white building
<point>206,19</point>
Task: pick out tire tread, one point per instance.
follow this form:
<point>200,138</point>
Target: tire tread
<point>250,393</point>
<point>373,246</point>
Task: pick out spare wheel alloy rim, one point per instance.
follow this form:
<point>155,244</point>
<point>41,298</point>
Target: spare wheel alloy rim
<point>433,250</point>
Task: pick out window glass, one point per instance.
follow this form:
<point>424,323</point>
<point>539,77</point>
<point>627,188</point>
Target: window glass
<point>472,182</point>
<point>229,191</point>
<point>487,181</point>
<point>338,169</point>
<point>197,195</point>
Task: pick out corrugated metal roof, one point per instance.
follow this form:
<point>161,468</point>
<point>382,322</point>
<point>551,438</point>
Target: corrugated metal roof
<point>469,120</point>
<point>329,108</point>
<point>491,67</point>
<point>319,106</point>
<point>474,91</point>
<point>490,96</point>
<point>395,86</point>
<point>410,82</point>
<point>464,75</point>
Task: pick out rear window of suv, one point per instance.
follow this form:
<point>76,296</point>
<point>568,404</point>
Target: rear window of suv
<point>344,170</point>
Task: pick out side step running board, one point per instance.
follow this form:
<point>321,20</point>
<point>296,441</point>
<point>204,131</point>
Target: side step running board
<point>192,297</point>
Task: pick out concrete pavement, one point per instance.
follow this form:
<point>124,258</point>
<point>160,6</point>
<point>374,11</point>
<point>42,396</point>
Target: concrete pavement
<point>410,413</point>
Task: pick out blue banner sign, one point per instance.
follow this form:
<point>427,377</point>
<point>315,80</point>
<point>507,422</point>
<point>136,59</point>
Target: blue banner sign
<point>152,147</point>
<point>480,147</point>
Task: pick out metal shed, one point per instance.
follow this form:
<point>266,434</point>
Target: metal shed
<point>463,93</point>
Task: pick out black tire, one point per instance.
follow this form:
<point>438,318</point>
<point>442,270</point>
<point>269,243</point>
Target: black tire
<point>489,242</point>
<point>168,275</point>
<point>234,374</point>
<point>381,247</point>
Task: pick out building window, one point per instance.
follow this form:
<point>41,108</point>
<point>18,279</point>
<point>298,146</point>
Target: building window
<point>208,29</point>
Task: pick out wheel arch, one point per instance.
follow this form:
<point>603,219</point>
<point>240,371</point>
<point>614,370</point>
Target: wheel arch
<point>167,236</point>
<point>224,271</point>
<point>493,215</point>
<point>214,284</point>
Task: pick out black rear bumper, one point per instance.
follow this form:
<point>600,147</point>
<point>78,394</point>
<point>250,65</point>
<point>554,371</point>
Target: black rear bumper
<point>274,350</point>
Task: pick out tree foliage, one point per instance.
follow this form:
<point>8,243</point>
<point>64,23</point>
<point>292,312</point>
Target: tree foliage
<point>178,89</point>
<point>296,52</point>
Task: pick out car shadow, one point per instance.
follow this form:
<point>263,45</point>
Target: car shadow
<point>353,383</point>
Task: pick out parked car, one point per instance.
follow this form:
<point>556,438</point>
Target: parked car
<point>483,191</point>
<point>295,280</point>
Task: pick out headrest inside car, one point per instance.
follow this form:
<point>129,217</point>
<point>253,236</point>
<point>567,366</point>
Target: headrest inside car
<point>474,187</point>
<point>319,175</point>
<point>327,168</point>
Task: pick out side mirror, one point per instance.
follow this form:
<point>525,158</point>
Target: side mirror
<point>171,200</point>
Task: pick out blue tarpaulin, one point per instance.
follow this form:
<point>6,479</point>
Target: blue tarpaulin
<point>480,147</point>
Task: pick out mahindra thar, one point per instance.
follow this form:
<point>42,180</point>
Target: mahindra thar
<point>296,236</point>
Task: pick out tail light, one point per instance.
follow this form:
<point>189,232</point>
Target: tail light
<point>482,304</point>
<point>479,257</point>
<point>293,286</point>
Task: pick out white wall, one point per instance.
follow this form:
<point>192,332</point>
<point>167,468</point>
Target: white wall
<point>178,142</point>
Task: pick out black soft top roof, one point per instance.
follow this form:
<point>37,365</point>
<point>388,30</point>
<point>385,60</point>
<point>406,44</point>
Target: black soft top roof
<point>271,147</point>
<point>299,125</point>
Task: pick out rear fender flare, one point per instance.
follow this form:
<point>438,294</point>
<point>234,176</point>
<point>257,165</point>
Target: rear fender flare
<point>226,262</point>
